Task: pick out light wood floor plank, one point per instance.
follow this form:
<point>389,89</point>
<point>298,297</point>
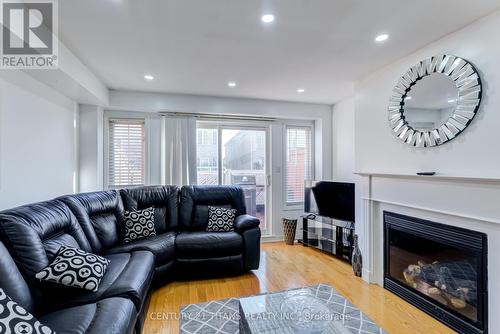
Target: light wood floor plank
<point>285,267</point>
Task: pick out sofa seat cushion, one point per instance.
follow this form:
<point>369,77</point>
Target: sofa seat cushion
<point>200,245</point>
<point>128,275</point>
<point>107,316</point>
<point>162,246</point>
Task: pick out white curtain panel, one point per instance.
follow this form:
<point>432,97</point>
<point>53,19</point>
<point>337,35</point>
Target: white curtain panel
<point>178,150</point>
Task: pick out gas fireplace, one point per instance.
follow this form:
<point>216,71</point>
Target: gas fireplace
<point>439,268</point>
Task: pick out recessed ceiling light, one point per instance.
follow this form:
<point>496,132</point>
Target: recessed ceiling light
<point>301,90</point>
<point>452,101</point>
<point>268,18</point>
<point>231,84</point>
<point>149,77</point>
<point>381,38</point>
<point>408,98</point>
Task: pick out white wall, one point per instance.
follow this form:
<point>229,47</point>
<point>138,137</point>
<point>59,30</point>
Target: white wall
<point>37,141</point>
<point>343,140</point>
<point>91,152</point>
<point>377,150</point>
<point>474,152</point>
<point>449,199</point>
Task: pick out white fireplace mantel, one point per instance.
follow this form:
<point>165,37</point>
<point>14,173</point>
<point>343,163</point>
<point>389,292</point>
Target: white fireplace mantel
<point>463,196</point>
<point>436,177</point>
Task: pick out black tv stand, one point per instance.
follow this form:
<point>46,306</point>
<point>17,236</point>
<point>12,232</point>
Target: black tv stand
<point>329,235</point>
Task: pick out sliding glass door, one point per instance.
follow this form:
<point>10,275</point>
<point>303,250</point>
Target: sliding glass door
<point>236,154</point>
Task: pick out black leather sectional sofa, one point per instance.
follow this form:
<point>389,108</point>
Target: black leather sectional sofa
<point>31,235</point>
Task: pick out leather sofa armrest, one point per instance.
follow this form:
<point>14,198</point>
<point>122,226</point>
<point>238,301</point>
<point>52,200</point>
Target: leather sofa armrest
<point>245,222</point>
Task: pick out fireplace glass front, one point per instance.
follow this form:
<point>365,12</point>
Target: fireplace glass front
<point>442,265</point>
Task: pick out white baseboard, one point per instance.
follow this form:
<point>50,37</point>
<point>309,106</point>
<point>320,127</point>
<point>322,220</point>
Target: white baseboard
<point>366,275</point>
<point>271,238</point>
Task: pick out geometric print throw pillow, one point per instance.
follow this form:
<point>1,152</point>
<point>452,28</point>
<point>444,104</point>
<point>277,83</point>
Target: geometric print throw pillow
<point>220,219</point>
<point>139,224</point>
<point>75,267</point>
<point>14,319</point>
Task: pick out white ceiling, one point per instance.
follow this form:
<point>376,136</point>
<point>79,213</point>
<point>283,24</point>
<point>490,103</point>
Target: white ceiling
<point>198,46</point>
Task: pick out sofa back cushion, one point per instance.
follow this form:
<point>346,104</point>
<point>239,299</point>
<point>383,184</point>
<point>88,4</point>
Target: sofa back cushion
<point>195,200</point>
<point>164,200</point>
<point>34,233</point>
<point>13,283</point>
<point>100,214</point>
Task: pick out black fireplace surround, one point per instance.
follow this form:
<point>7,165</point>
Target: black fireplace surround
<point>440,269</point>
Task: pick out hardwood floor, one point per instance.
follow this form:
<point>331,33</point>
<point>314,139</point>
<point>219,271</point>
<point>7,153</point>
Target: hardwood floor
<point>284,267</point>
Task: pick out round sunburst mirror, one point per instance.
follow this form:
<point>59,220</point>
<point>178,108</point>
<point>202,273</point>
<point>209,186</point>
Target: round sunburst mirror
<point>434,101</point>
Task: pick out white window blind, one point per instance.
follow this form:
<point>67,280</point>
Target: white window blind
<point>126,163</point>
<point>298,162</point>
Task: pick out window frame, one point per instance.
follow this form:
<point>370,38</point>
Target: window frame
<point>106,134</point>
<point>288,206</point>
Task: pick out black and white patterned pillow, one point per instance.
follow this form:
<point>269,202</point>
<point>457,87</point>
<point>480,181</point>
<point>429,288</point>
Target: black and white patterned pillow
<point>139,224</point>
<point>14,319</point>
<point>220,219</point>
<point>75,267</point>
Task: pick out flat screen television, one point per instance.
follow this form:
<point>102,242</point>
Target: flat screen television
<point>330,199</point>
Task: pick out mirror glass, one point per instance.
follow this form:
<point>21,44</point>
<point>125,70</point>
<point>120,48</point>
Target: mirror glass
<point>430,102</point>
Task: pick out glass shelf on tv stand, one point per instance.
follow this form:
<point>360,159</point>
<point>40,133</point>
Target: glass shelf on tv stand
<point>316,235</point>
<point>329,235</point>
<point>320,220</point>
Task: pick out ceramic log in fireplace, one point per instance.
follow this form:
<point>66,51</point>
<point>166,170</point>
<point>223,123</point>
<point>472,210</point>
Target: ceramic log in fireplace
<point>439,268</point>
